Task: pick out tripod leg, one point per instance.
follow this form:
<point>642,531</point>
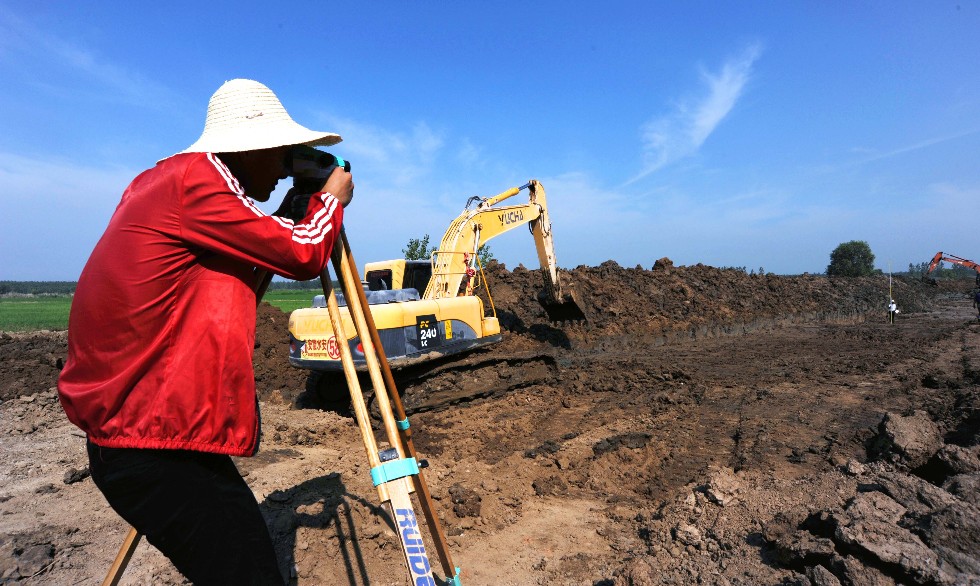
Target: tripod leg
<point>348,272</point>
<point>122,558</point>
<point>389,476</point>
<point>392,473</point>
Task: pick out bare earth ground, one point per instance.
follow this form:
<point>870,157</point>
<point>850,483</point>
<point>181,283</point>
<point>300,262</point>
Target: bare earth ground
<point>705,427</point>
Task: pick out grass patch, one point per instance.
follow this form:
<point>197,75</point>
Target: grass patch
<point>26,314</point>
<point>50,312</point>
<point>291,299</point>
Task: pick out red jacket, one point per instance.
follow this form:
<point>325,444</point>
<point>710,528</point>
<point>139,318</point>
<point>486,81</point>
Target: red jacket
<point>162,324</point>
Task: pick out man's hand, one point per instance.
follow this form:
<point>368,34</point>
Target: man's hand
<point>340,184</point>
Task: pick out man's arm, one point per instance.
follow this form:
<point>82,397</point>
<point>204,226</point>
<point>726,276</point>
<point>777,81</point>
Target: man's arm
<point>217,216</point>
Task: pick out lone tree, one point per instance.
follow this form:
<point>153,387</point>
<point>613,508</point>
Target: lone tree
<point>418,249</point>
<point>851,259</point>
<point>485,254</point>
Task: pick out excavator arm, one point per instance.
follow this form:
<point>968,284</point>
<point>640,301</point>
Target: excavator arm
<point>953,259</point>
<point>454,263</point>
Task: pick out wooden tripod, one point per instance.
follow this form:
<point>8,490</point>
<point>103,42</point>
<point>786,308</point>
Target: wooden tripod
<point>398,432</point>
<point>390,474</point>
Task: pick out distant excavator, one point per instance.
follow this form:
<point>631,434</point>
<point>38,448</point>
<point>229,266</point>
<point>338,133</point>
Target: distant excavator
<point>448,318</point>
<point>940,256</point>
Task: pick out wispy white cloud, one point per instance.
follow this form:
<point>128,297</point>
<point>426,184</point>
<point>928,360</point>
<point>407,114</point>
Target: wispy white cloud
<point>54,212</point>
<point>468,154</point>
<point>872,156</point>
<point>401,157</point>
<point>59,65</point>
<point>949,196</point>
<point>681,133</point>
<point>61,183</point>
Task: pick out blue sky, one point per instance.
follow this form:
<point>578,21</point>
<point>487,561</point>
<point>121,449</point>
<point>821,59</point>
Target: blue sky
<point>757,134</point>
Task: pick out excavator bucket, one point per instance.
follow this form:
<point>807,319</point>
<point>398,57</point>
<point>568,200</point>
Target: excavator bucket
<point>566,309</point>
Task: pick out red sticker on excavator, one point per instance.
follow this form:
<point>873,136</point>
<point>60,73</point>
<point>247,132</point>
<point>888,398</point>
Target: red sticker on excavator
<point>321,348</point>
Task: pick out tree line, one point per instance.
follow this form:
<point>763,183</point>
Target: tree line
<point>38,287</point>
<point>855,259</point>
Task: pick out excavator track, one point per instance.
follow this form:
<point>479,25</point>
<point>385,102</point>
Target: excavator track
<point>438,385</point>
<point>474,377</point>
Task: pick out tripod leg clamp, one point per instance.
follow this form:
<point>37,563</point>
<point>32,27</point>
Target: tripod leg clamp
<point>393,470</point>
<point>402,424</point>
<point>454,581</point>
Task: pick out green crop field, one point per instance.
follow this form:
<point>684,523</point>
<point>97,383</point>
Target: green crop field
<point>290,299</point>
<point>25,314</point>
<point>50,312</point>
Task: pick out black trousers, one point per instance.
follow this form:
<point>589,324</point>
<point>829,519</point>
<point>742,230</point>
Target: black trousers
<point>192,506</point>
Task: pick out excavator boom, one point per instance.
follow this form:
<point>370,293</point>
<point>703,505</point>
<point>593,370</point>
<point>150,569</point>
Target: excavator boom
<point>454,263</point>
<point>940,256</point>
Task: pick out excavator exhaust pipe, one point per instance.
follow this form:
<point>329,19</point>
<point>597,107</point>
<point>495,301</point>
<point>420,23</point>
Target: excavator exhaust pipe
<point>566,309</point>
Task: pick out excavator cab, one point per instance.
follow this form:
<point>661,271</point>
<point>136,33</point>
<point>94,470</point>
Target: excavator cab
<point>398,274</point>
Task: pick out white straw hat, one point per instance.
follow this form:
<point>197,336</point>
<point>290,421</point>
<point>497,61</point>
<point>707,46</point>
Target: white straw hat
<point>244,115</point>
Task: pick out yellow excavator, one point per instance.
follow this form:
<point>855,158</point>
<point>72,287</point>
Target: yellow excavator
<point>447,317</point>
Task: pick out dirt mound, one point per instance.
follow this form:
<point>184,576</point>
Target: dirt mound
<point>625,308</point>
<point>31,362</point>
<point>705,426</point>
<point>679,302</point>
<point>275,379</point>
<point>657,306</point>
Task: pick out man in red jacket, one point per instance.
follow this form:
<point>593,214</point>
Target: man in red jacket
<point>162,327</point>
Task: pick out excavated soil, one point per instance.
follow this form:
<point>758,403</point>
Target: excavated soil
<point>705,427</point>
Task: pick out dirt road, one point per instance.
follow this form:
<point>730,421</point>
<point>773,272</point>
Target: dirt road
<point>706,427</point>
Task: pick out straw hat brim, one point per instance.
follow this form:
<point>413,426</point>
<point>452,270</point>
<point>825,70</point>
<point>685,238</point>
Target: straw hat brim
<point>254,138</point>
<point>245,115</point>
